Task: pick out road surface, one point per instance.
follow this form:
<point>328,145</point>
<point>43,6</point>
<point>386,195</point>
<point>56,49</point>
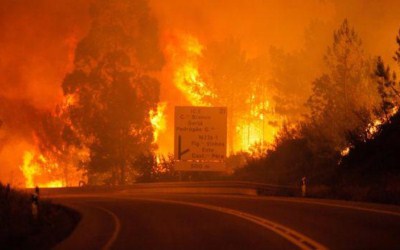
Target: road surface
<point>156,219</point>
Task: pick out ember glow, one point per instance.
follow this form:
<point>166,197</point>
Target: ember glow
<point>345,151</point>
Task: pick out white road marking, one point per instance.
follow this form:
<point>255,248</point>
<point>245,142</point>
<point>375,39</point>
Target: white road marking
<point>117,228</point>
<point>322,203</point>
<point>305,200</point>
<point>373,210</point>
<point>298,239</point>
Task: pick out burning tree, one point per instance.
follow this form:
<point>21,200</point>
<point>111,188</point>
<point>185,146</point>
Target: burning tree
<point>227,73</point>
<point>112,88</point>
<point>239,84</point>
<point>343,97</point>
<point>221,74</point>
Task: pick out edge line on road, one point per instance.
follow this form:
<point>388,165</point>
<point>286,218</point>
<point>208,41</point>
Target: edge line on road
<point>307,201</point>
<point>366,209</point>
<point>298,239</point>
<point>117,228</point>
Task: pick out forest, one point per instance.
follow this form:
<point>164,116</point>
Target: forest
<point>88,99</point>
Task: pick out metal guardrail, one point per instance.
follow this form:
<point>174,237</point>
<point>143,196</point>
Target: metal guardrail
<point>258,188</point>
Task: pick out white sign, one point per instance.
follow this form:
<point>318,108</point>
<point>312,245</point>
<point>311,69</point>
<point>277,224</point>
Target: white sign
<point>199,166</point>
<point>200,135</point>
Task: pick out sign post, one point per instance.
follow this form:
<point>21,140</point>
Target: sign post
<point>200,138</point>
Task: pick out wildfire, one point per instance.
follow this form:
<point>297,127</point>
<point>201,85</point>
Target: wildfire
<point>345,151</point>
<point>258,128</point>
<point>70,100</point>
<point>54,168</point>
<point>158,120</point>
<point>35,168</point>
<point>373,128</point>
<point>184,56</point>
<point>256,122</point>
<point>255,125</point>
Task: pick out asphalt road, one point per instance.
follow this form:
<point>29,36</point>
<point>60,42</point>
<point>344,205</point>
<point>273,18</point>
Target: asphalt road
<point>132,219</point>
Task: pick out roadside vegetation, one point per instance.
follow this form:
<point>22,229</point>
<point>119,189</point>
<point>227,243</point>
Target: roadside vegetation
<point>347,143</point>
<point>327,113</point>
<point>347,147</point>
<point>19,229</point>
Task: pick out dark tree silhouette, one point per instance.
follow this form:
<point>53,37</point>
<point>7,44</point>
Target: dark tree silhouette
<point>229,74</point>
<point>388,86</point>
<point>113,89</point>
<point>342,98</point>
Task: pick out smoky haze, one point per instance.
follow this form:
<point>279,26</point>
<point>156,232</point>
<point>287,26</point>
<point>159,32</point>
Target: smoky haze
<point>37,42</point>
<point>38,39</point>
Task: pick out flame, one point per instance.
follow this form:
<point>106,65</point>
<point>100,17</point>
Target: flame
<point>184,55</point>
<point>373,127</point>
<point>34,168</point>
<point>256,128</point>
<point>256,124</point>
<point>159,167</point>
<point>70,100</point>
<point>54,167</point>
<point>345,151</point>
<point>52,170</point>
<point>252,127</point>
<point>158,120</point>
<point>53,184</point>
<point>45,171</point>
<point>28,169</point>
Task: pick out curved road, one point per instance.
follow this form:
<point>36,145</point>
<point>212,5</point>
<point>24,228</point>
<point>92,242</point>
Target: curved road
<point>130,219</point>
